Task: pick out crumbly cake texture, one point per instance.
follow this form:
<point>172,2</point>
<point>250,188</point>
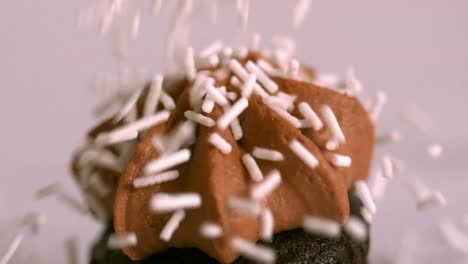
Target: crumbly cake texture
<point>293,246</point>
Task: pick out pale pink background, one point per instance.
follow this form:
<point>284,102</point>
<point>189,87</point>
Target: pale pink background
<point>415,50</point>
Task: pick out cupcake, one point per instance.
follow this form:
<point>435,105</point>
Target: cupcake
<point>244,160</point>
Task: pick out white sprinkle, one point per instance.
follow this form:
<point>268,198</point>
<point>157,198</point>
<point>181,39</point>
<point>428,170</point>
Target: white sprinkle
<point>33,221</point>
<point>97,184</point>
<point>243,75</point>
<point>215,94</point>
<point>434,150</point>
<point>208,105</point>
<point>419,118</point>
<point>232,113</point>
<point>189,64</point>
<point>48,190</point>
<point>96,207</point>
<point>71,247</point>
<point>356,228</point>
<point>387,166</point>
<point>327,79</point>
<point>310,116</point>
<point>212,49</point>
<point>340,160</point>
<point>234,81</point>
<point>243,204</point>
<point>248,86</point>
<point>454,236</point>
<point>267,154</point>
<point>167,101</point>
<point>300,11</point>
<point>268,185</point>
<point>364,194</point>
<point>220,143</point>
<point>100,158</point>
<point>206,62</point>
<point>390,137</point>
<point>368,216</point>
<point>232,96</point>
<point>179,137</point>
<point>376,108</point>
<point>330,119</point>
<point>331,145</point>
<point>255,42</point>
<point>284,114</point>
<point>168,161</point>
<point>154,94</point>
<point>157,4</point>
<point>282,103</point>
<point>252,168</point>
<point>267,225</point>
<point>197,92</point>
<point>321,226</point>
<point>165,202</point>
<point>118,241</point>
<point>172,225</point>
<point>434,199</point>
<point>123,133</point>
<point>136,24</point>
<point>304,154</point>
<point>127,107</point>
<point>293,69</point>
<point>378,186</point>
<point>72,202</point>
<point>13,246</point>
<point>210,230</point>
<point>155,179</point>
<point>241,52</point>
<point>268,83</point>
<point>255,252</point>
<point>199,118</point>
<point>236,129</point>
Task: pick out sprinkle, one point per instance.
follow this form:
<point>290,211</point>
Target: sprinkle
<point>122,133</point>
<point>268,83</point>
<point>127,107</point>
<point>210,230</point>
<point>100,158</point>
<point>189,64</point>
<point>330,119</point>
<point>268,185</point>
<point>366,215</point>
<point>321,226</point>
<point>267,154</point>
<point>364,194</point>
<point>252,167</point>
<point>167,101</point>
<point>197,92</point>
<point>177,138</point>
<point>206,62</point>
<point>172,225</point>
<point>243,204</point>
<point>164,202</point>
<point>248,85</point>
<point>340,160</point>
<point>387,166</point>
<point>304,154</point>
<point>241,53</point>
<point>258,253</point>
<point>268,68</point>
<point>327,79</point>
<point>284,114</point>
<point>378,186</point>
<point>97,208</point>
<point>155,179</point>
<point>243,75</point>
<point>168,161</point>
<point>419,118</point>
<point>100,187</point>
<point>331,145</point>
<point>454,236</point>
<point>434,150</point>
<point>48,190</point>
<point>266,231</point>
<point>434,199</point>
<point>157,4</point>
<point>293,69</point>
<point>208,105</point>
<point>232,96</point>
<point>136,24</point>
<point>390,137</point>
<point>356,228</point>
<point>212,49</point>
<point>154,93</point>
<point>122,240</point>
<point>33,221</point>
<point>72,202</point>
<point>310,116</point>
<point>13,246</point>
<point>220,143</point>
<point>215,94</point>
<point>71,247</point>
<point>300,11</point>
<point>232,113</point>
<point>282,103</point>
<point>234,81</point>
<point>255,42</point>
<point>199,118</point>
<point>376,108</point>
<point>236,129</point>
<point>106,138</point>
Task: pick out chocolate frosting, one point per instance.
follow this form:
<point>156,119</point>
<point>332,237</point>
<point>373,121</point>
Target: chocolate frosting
<point>216,176</point>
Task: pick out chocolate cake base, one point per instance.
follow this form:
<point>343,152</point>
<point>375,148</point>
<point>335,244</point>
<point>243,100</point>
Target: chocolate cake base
<point>292,246</point>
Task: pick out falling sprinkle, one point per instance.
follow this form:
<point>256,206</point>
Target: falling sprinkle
<point>356,228</point>
<point>210,230</point>
<point>340,161</point>
<point>154,94</point>
<point>252,167</point>
<point>232,113</point>
<point>332,123</point>
<point>127,107</point>
<point>151,180</point>
<point>168,161</point>
<point>267,225</point>
<point>255,42</point>
<point>377,106</point>
<point>253,251</point>
<point>300,12</point>
<point>268,83</point>
<point>136,24</point>
<point>366,215</point>
<point>262,189</point>
<point>434,151</point>
<point>167,101</point>
<point>122,240</point>
<point>364,194</point>
<point>172,225</point>
<point>267,154</point>
<point>304,154</point>
<point>199,118</point>
<point>220,143</point>
<point>387,166</point>
<point>164,202</point>
<point>454,236</point>
<point>390,137</point>
<point>212,49</point>
<point>245,205</point>
<point>189,64</point>
<point>321,226</point>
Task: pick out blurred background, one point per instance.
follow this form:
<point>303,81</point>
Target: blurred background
<point>416,51</point>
